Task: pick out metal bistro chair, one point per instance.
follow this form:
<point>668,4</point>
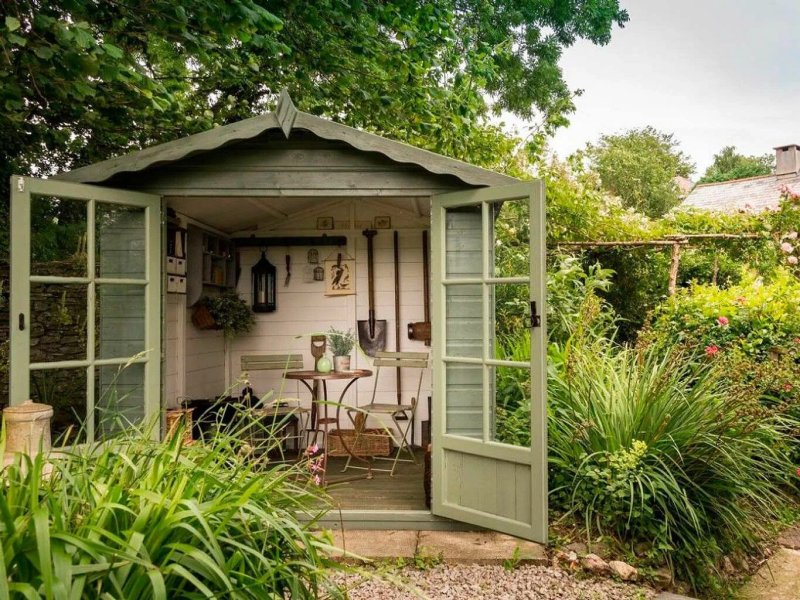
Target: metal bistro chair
<point>283,409</point>
<point>399,413</point>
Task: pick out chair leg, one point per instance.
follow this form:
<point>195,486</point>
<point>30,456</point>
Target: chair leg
<point>403,445</point>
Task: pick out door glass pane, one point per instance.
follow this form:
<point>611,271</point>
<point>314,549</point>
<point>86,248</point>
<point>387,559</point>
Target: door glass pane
<point>65,391</point>
<point>464,398</point>
<point>120,320</point>
<point>120,241</point>
<point>119,398</point>
<point>510,238</point>
<point>463,242</point>
<point>464,330</point>
<point>58,322</point>
<point>511,321</point>
<point>512,415</point>
<point>58,236</point>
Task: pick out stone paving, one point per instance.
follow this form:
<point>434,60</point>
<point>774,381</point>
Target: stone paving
<point>779,578</point>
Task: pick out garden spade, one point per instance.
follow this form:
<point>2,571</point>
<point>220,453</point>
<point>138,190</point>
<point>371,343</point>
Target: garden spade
<point>372,332</point>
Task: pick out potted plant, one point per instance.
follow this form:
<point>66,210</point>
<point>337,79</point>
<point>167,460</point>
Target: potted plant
<point>341,345</point>
<point>231,314</point>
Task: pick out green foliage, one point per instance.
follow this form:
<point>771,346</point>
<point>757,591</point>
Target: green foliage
<point>752,316</point>
<point>650,445</point>
<point>143,519</point>
<point>75,76</point>
<point>341,343</point>
<point>231,313</point>
<point>729,164</point>
<point>639,166</point>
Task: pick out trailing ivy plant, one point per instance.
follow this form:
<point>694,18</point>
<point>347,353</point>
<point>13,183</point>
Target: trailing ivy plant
<point>231,314</point>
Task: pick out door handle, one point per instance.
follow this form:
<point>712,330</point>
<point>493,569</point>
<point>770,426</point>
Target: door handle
<point>22,321</point>
<point>536,319</point>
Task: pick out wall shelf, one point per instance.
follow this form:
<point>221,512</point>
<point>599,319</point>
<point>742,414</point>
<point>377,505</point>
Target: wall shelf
<point>211,264</point>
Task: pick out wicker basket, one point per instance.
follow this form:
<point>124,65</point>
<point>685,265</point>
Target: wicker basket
<point>371,442</point>
<point>174,418</point>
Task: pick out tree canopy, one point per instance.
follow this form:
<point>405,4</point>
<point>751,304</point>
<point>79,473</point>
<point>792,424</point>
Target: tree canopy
<point>729,164</point>
<point>640,167</point>
<point>81,80</point>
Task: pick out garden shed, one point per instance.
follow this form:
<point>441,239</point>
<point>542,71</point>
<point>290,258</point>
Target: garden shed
<point>163,228</point>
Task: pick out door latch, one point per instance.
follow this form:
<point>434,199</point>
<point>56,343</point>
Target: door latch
<point>22,321</point>
<point>536,319</point>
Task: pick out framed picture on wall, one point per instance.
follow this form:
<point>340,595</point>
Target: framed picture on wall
<point>382,223</point>
<point>340,277</point>
<point>324,222</point>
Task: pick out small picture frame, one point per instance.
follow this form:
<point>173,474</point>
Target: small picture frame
<point>340,277</point>
<point>382,223</point>
<point>324,223</point>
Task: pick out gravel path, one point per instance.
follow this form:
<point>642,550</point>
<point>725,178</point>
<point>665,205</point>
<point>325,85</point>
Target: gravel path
<point>474,582</point>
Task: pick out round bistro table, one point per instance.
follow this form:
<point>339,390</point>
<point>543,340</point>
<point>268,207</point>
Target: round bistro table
<point>317,384</point>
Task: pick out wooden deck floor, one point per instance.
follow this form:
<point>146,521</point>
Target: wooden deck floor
<point>404,491</point>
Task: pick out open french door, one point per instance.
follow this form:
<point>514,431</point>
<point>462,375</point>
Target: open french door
<point>489,359</point>
<point>85,305</point>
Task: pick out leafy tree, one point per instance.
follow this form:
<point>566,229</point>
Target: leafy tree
<point>729,164</point>
<point>81,80</point>
<point>640,166</point>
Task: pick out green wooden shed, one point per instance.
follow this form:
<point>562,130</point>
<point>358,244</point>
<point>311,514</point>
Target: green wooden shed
<point>166,226</point>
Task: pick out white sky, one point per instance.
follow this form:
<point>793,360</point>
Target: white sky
<point>714,72</point>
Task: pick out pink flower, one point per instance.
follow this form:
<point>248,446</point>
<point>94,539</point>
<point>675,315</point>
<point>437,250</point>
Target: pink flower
<point>798,471</point>
<point>796,340</point>
<point>792,260</point>
<point>317,480</point>
<point>787,247</point>
<point>712,350</point>
<point>722,321</point>
<point>787,387</point>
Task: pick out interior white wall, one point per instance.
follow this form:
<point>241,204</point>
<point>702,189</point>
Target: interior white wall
<point>303,310</point>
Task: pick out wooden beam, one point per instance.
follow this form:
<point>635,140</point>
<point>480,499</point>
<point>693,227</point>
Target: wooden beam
<point>323,240</point>
<point>675,261</point>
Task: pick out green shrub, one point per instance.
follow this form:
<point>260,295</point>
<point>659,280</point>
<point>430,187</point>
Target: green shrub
<point>755,317</point>
<point>135,518</point>
<point>651,445</point>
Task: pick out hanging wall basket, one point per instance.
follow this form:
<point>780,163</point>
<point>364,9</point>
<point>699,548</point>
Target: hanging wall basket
<point>202,317</point>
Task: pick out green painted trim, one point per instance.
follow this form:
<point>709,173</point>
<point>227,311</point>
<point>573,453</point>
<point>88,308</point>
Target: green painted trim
<point>22,188</point>
<point>534,457</point>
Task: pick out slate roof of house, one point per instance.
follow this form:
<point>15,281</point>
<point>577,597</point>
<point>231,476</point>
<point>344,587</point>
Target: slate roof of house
<point>752,194</point>
<point>287,118</point>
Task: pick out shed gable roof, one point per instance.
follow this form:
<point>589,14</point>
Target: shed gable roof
<point>287,118</point>
<point>752,194</point>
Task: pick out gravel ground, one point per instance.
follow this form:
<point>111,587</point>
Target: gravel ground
<point>468,582</point>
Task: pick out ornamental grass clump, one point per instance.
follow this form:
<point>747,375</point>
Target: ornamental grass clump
<point>139,519</point>
<point>649,445</point>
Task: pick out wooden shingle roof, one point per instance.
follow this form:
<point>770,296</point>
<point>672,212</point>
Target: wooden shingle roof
<point>287,118</point>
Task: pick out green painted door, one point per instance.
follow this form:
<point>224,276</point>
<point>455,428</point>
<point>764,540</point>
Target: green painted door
<point>489,359</point>
<point>85,305</point>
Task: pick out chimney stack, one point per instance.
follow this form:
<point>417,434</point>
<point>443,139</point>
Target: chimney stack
<point>787,160</point>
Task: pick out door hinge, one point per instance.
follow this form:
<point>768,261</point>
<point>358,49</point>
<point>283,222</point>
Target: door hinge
<point>22,321</point>
<point>536,319</point>
<point>20,184</point>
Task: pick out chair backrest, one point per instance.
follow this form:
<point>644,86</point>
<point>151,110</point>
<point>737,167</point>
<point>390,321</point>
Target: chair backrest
<point>402,360</point>
<point>271,362</point>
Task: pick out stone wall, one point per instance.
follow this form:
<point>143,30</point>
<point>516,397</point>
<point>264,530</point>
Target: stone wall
<point>58,332</point>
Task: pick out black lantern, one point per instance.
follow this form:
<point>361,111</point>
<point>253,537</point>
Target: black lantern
<point>264,277</point>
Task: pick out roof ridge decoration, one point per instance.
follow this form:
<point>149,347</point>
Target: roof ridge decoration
<point>286,112</point>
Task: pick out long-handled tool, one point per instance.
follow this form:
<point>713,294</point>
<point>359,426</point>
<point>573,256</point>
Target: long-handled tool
<point>372,332</point>
<point>421,330</point>
<point>401,416</point>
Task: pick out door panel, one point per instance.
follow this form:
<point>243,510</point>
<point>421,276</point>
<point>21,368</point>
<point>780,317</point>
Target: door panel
<point>489,387</point>
<point>85,303</point>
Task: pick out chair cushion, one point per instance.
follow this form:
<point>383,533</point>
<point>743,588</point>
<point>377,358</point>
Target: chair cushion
<point>386,408</point>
